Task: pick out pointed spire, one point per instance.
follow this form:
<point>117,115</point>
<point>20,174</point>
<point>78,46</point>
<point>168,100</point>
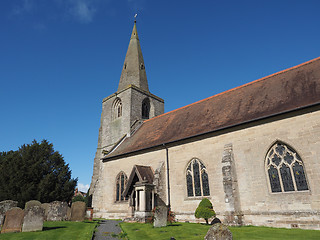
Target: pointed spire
<point>133,71</point>
<point>134,34</point>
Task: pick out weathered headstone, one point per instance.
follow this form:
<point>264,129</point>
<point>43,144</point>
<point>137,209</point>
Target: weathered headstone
<point>69,214</point>
<point>218,231</point>
<point>31,204</point>
<point>215,221</point>
<point>160,216</point>
<point>4,207</point>
<point>57,211</point>
<point>45,206</point>
<point>78,211</point>
<point>13,220</point>
<point>33,219</point>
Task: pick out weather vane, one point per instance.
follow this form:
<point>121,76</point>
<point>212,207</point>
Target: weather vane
<point>135,17</point>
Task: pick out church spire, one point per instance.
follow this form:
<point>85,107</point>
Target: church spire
<point>133,71</point>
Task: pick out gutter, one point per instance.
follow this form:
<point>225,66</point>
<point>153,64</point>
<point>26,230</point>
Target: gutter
<point>168,178</point>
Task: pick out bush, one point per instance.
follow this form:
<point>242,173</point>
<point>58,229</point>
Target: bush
<point>79,198</point>
<point>205,210</point>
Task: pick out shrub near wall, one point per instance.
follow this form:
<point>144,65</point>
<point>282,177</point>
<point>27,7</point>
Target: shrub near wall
<point>205,210</point>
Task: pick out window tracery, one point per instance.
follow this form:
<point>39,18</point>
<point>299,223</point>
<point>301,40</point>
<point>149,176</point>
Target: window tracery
<point>197,179</point>
<point>285,169</point>
<point>121,183</point>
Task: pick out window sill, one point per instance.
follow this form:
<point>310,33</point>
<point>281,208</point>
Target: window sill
<point>197,198</point>
<point>291,192</point>
<point>121,202</point>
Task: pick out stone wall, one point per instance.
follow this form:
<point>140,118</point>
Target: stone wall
<point>250,144</point>
<point>112,130</point>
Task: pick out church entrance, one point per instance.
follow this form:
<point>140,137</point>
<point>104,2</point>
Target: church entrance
<point>140,190</point>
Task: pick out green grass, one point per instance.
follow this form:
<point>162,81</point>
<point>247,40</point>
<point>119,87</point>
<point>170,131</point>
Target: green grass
<point>176,230</point>
<point>251,232</point>
<point>192,231</point>
<point>57,230</point>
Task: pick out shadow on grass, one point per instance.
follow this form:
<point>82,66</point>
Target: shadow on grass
<point>51,228</point>
<point>174,225</point>
<point>91,222</point>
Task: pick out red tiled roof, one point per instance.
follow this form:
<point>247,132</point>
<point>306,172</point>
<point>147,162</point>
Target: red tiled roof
<point>288,90</point>
<point>144,173</point>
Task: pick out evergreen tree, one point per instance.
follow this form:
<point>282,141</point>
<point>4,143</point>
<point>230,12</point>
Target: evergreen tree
<point>35,172</point>
<point>205,210</point>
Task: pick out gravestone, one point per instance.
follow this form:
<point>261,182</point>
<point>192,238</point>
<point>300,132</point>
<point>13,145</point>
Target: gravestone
<point>31,204</point>
<point>13,220</point>
<point>57,211</point>
<point>215,221</point>
<point>45,207</point>
<point>4,207</point>
<point>160,214</point>
<point>69,214</point>
<point>33,219</point>
<point>218,231</point>
<point>78,211</point>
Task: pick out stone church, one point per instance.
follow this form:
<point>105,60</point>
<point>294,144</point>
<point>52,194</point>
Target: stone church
<point>254,150</point>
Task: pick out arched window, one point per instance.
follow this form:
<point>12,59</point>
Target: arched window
<point>285,169</point>
<point>121,182</point>
<point>145,108</point>
<point>117,108</point>
<point>197,179</point>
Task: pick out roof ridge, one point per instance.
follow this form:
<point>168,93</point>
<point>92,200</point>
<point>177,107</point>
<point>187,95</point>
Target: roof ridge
<point>235,88</point>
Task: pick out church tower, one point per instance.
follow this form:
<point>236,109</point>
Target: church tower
<point>125,110</point>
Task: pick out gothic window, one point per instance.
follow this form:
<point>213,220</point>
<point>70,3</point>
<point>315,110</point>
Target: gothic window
<point>285,169</point>
<point>121,182</point>
<point>197,179</point>
<point>117,108</point>
<point>145,108</point>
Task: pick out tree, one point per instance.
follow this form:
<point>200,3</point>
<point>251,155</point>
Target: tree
<point>205,210</point>
<point>35,172</point>
<point>79,198</point>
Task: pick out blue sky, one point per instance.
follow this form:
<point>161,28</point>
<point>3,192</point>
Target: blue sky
<point>60,58</point>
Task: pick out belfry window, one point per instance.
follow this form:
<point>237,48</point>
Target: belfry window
<point>121,183</point>
<point>117,108</point>
<point>285,169</point>
<point>145,108</point>
<point>197,179</point>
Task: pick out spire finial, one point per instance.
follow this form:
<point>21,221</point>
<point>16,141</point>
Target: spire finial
<point>135,18</point>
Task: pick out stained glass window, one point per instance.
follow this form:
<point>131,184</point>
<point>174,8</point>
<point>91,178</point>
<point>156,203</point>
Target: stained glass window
<point>286,178</point>
<point>274,179</point>
<point>299,176</point>
<point>121,182</point>
<point>205,184</point>
<point>285,169</point>
<point>197,179</point>
<point>189,185</point>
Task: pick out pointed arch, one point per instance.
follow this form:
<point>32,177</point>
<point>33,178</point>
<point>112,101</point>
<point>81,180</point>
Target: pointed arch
<point>121,182</point>
<point>197,179</point>
<point>145,108</point>
<point>285,169</point>
<point>116,108</point>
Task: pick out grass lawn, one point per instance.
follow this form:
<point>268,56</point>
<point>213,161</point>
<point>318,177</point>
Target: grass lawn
<point>57,230</point>
<point>197,231</point>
